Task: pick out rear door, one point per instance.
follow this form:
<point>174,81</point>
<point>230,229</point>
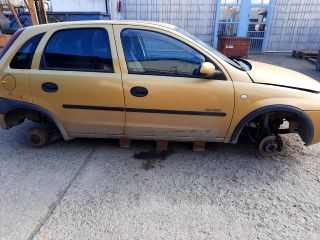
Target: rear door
<point>165,96</point>
<point>75,75</point>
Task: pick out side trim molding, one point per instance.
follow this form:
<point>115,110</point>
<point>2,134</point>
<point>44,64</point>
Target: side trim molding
<point>143,110</point>
<point>7,105</point>
<point>274,108</point>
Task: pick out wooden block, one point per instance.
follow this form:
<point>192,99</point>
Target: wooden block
<point>161,145</point>
<point>199,146</point>
<point>124,142</point>
<point>312,60</point>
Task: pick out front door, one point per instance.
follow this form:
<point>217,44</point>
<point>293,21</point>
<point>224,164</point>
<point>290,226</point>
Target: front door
<point>76,76</point>
<point>164,95</point>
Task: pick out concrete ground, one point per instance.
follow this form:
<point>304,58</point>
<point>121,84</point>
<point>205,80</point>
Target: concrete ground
<point>92,189</point>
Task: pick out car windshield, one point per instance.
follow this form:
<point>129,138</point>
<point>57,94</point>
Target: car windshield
<point>209,48</point>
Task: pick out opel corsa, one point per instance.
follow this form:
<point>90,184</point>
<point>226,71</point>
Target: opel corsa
<point>147,80</point>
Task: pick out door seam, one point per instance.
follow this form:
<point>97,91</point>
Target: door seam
<point>121,79</point>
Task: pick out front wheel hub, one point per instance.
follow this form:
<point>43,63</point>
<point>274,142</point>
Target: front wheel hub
<point>270,145</point>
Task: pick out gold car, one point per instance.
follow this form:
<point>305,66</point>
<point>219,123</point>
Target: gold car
<point>146,80</point>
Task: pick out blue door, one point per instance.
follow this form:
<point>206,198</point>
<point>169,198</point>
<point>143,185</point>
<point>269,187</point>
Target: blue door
<point>244,18</point>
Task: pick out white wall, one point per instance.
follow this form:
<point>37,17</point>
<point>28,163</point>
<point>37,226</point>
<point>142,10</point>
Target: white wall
<point>78,5</point>
<point>195,16</point>
<point>295,25</point>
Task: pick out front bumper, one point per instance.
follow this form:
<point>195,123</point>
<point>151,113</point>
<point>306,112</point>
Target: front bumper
<point>2,122</point>
<point>315,118</point>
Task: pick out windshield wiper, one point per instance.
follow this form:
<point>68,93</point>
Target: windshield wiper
<point>235,60</point>
<point>245,65</point>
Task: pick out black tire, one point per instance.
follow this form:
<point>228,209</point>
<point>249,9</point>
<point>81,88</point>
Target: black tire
<point>38,137</point>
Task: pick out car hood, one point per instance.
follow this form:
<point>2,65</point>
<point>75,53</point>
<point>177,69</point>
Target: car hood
<point>272,75</point>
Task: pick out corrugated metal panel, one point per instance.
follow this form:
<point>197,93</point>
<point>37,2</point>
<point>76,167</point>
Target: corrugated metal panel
<point>196,17</point>
<point>295,25</point>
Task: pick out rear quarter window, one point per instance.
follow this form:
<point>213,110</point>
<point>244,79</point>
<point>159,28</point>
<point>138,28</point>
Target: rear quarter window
<point>23,58</point>
<point>86,49</point>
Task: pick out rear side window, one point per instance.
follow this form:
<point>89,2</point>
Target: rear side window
<point>23,58</point>
<point>85,49</point>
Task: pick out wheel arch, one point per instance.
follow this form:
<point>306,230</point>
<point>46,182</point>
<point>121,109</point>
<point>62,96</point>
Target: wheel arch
<point>8,106</point>
<point>308,138</point>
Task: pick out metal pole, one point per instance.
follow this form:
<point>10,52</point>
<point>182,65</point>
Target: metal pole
<point>43,11</point>
<point>216,25</point>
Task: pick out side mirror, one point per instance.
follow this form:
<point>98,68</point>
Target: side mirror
<point>207,70</point>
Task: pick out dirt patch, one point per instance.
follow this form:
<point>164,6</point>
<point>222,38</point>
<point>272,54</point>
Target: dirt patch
<point>152,157</point>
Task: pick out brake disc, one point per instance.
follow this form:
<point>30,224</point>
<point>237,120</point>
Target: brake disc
<point>270,145</point>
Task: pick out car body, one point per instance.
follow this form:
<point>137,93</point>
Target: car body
<point>143,80</point>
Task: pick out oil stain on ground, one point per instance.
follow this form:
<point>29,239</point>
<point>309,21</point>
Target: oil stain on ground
<point>152,157</point>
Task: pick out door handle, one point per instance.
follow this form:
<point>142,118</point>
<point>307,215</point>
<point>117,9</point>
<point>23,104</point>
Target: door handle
<point>139,91</point>
<point>49,87</point>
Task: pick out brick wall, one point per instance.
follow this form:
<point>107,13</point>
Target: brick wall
<point>195,16</point>
<point>295,25</point>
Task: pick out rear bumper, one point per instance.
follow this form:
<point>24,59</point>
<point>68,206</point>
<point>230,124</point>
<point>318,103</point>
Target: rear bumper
<point>2,122</point>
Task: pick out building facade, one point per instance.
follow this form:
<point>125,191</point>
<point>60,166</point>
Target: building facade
<point>272,25</point>
<point>78,5</point>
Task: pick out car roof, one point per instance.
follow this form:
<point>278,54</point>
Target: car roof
<point>106,22</point>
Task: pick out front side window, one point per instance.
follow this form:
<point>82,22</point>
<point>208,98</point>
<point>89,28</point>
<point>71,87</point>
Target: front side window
<point>148,52</point>
<point>24,56</point>
<point>86,49</point>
